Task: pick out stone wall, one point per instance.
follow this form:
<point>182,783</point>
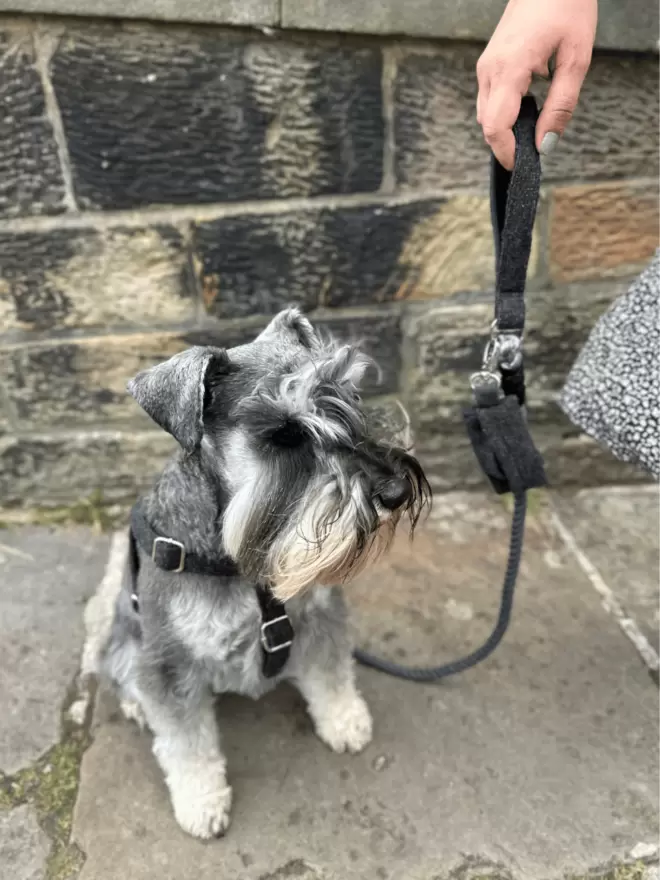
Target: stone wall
<point>162,186</point>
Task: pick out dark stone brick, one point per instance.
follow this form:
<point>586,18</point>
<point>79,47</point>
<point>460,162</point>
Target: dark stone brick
<point>445,345</point>
<point>570,461</point>
<point>73,383</point>
<point>64,468</point>
<point>187,116</point>
<point>30,176</point>
<point>6,416</point>
<point>378,333</point>
<point>73,278</point>
<point>439,144</point>
<point>437,140</point>
<point>345,256</point>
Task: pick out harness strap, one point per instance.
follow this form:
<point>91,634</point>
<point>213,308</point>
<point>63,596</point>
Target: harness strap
<point>276,633</point>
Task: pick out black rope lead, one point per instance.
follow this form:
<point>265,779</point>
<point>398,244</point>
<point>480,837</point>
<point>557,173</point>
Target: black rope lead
<point>497,421</point>
<point>434,673</point>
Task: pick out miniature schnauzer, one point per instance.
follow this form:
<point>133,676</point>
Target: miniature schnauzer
<point>280,494</point>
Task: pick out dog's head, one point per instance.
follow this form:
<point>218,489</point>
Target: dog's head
<point>310,495</point>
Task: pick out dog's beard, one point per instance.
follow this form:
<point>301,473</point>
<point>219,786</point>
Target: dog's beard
<point>319,530</point>
<point>329,540</point>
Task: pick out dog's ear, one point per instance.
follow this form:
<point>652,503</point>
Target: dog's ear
<point>293,326</point>
<point>173,393</point>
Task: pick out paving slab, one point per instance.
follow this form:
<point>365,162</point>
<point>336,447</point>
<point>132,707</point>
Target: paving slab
<point>540,763</point>
<point>46,575</point>
<point>620,530</point>
<point>23,845</point>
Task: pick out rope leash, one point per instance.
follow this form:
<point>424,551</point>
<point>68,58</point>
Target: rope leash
<point>497,424</point>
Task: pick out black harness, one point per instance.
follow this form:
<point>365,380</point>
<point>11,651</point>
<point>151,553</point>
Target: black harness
<point>276,633</point>
<point>496,424</point>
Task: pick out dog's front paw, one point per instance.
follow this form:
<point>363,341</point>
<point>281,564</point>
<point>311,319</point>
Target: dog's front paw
<point>201,804</point>
<point>132,711</point>
<point>345,725</point>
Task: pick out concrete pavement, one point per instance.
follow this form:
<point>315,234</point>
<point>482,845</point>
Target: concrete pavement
<point>541,763</point>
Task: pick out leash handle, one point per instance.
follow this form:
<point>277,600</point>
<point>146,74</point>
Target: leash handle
<point>514,198</point>
<point>497,423</point>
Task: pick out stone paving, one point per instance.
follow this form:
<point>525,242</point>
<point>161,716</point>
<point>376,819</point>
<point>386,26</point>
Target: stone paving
<point>541,763</point>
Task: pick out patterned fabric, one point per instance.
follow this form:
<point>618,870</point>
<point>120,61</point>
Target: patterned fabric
<point>613,392</point>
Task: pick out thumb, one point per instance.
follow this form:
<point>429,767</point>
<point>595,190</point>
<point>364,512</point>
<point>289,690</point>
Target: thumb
<point>561,102</point>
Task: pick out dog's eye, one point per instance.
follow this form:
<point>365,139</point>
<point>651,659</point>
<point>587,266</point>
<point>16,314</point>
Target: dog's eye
<point>289,434</point>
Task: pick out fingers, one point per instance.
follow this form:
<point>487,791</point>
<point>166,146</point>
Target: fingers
<point>561,102</point>
<point>482,98</point>
<point>499,113</point>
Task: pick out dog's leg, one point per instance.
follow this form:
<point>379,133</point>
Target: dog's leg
<point>325,676</point>
<point>187,747</point>
<point>340,714</point>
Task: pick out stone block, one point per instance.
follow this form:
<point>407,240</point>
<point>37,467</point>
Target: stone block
<point>623,526</point>
<point>557,730</point>
<point>599,231</point>
<point>345,256</point>
<point>622,24</point>
<point>444,345</point>
<point>600,143</point>
<point>378,331</point>
<point>70,278</point>
<point>571,461</point>
<point>56,469</point>
<point>6,413</point>
<point>30,175</point>
<point>438,143</point>
<point>24,846</point>
<point>234,12</point>
<point>177,117</point>
<point>70,383</point>
<point>47,576</point>
<point>379,334</point>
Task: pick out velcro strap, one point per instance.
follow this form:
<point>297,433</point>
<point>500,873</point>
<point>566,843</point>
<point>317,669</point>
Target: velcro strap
<point>504,447</point>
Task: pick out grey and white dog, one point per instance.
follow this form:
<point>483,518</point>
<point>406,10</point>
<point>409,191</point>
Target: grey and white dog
<point>278,471</point>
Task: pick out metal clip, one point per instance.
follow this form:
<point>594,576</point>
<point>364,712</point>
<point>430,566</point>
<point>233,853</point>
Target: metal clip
<point>504,349</point>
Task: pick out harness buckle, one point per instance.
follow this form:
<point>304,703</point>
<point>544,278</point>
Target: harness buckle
<point>165,544</point>
<point>272,647</point>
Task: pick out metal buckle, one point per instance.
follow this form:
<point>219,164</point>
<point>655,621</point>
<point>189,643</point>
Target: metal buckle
<point>504,349</point>
<point>264,641</point>
<point>485,380</point>
<point>182,552</point>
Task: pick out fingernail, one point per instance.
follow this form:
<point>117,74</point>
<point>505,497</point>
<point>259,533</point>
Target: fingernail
<point>549,142</point>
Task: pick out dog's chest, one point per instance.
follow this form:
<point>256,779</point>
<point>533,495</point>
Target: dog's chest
<point>222,635</point>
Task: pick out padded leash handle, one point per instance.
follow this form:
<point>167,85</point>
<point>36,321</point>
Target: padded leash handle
<point>513,200</point>
<point>496,424</point>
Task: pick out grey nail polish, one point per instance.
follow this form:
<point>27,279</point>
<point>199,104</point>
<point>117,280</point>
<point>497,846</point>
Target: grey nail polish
<point>549,142</point>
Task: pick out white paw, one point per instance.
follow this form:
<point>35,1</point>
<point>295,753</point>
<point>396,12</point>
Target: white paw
<point>345,725</point>
<point>204,816</point>
<point>201,800</point>
<point>132,711</point>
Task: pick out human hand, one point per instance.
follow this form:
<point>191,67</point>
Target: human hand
<point>530,32</point>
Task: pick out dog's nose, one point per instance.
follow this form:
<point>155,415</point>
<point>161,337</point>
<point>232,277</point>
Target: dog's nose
<point>395,493</point>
